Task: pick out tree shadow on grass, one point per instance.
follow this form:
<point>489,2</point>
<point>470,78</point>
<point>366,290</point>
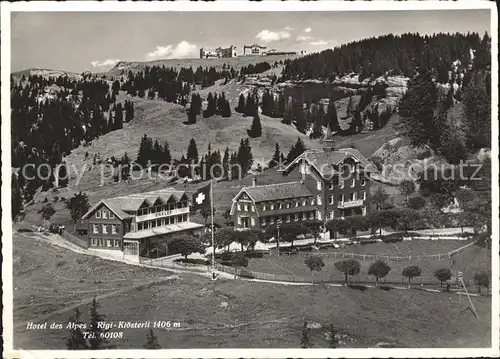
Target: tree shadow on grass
<point>385,287</point>
<point>361,288</point>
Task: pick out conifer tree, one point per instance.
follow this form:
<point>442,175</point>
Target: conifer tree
<point>166,157</point>
<point>299,120</point>
<point>288,114</point>
<point>96,333</point>
<point>416,111</point>
<point>76,340</point>
<point>477,108</point>
<point>151,340</point>
<point>192,152</point>
<point>276,156</point>
<point>304,339</point>
<point>244,156</point>
<point>241,104</point>
<point>17,196</point>
<point>225,162</point>
<point>331,117</point>
<point>256,128</point>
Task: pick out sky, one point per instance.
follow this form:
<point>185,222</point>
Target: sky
<point>95,41</point>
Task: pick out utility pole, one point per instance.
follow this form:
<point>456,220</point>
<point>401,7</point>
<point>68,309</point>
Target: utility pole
<point>212,228</point>
<point>279,228</point>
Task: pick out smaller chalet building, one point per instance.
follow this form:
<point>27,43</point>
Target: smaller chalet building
<point>260,206</point>
<point>254,50</point>
<point>141,223</point>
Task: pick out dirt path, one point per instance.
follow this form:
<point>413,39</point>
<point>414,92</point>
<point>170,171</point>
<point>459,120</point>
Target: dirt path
<point>44,317</point>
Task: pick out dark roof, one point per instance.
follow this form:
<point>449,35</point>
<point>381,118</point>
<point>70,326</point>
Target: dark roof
<point>121,205</point>
<point>325,161</point>
<point>277,191</point>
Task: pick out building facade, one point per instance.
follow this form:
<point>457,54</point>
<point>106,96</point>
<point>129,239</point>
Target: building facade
<point>261,206</point>
<point>219,52</point>
<point>143,222</point>
<point>254,50</point>
<point>338,179</point>
<point>335,184</point>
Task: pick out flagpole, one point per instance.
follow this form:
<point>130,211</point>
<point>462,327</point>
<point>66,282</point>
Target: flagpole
<point>212,228</point>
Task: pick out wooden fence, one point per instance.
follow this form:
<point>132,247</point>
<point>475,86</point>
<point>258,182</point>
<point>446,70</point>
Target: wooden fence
<point>80,242</point>
<point>338,279</point>
<point>387,258</point>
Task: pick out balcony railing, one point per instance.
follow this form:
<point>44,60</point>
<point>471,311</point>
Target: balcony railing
<point>165,213</point>
<point>350,204</point>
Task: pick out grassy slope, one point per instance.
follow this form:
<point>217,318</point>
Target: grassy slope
<point>471,261</point>
<point>257,315</point>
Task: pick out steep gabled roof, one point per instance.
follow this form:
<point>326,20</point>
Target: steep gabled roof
<point>326,162</point>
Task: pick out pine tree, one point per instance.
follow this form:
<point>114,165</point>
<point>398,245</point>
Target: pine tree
<point>288,114</point>
<point>151,341</point>
<point>63,175</point>
<point>296,150</point>
<point>331,117</point>
<point>225,162</point>
<point>17,196</point>
<point>416,111</point>
<point>256,128</point>
<point>145,151</point>
<point>244,156</point>
<point>241,104</point>
<point>276,156</point>
<point>333,342</point>
<point>356,123</point>
<point>76,340</point>
<point>166,157</point>
<point>477,108</point>
<point>304,339</point>
<point>96,334</point>
<point>192,152</point>
<point>300,121</point>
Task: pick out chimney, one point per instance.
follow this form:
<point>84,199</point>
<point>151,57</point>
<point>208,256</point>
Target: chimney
<point>254,182</point>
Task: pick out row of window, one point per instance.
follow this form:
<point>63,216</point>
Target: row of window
<point>159,222</point>
<point>335,182</point>
<point>105,214</point>
<point>105,228</point>
<point>288,204</point>
<point>104,242</point>
<point>162,208</point>
<point>353,196</point>
<point>301,216</point>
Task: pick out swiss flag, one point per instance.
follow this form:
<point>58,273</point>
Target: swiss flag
<point>201,198</point>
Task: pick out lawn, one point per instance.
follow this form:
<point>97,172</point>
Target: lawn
<point>229,313</point>
<point>471,261</point>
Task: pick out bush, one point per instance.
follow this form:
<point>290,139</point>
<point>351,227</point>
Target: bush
<point>392,238</point>
<point>481,280</point>
<point>193,261</point>
<point>254,254</point>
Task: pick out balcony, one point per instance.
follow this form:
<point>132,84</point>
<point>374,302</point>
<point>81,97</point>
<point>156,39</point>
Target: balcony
<point>351,204</point>
<point>165,213</point>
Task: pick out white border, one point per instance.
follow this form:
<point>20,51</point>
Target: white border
<point>234,6</point>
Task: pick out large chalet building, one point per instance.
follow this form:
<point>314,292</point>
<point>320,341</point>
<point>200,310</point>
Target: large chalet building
<point>334,184</point>
<point>140,223</point>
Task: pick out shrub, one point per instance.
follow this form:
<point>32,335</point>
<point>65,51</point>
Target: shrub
<point>193,261</point>
<point>392,238</point>
<point>239,260</point>
<point>481,280</point>
<point>254,254</point>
